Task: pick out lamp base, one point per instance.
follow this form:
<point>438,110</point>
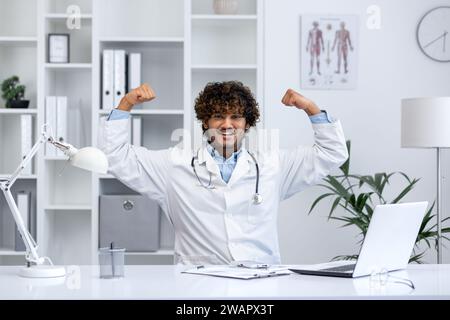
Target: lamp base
<point>42,271</point>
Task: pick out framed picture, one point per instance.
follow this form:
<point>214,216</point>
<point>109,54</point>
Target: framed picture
<point>329,47</point>
<point>58,48</point>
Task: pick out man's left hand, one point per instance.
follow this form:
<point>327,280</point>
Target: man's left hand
<point>294,99</point>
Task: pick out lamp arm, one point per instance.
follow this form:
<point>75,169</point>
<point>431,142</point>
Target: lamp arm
<point>30,244</point>
<point>27,159</point>
<point>5,185</point>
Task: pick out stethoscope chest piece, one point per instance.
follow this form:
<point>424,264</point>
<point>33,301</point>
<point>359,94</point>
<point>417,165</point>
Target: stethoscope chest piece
<point>257,198</point>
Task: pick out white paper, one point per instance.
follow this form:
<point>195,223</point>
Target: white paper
<point>238,272</point>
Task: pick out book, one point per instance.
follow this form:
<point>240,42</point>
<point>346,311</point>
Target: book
<point>26,140</point>
<point>23,204</point>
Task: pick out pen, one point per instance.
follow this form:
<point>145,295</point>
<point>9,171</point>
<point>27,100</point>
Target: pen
<point>254,266</point>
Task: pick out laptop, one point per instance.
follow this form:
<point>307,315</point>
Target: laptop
<point>387,246</point>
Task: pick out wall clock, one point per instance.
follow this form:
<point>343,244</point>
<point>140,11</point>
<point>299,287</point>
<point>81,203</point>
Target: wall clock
<point>433,34</point>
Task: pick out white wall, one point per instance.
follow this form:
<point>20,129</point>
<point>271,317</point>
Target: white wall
<point>391,66</point>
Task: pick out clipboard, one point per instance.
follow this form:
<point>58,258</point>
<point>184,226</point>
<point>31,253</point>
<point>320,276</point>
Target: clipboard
<point>239,272</point>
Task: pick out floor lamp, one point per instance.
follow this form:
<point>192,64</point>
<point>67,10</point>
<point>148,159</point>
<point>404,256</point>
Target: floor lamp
<point>425,123</point>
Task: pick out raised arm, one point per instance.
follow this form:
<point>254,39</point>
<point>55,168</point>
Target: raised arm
<point>141,169</point>
<point>305,166</point>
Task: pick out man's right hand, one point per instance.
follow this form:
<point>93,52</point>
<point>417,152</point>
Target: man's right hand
<point>141,94</point>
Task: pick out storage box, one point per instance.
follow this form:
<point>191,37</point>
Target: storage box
<point>130,221</point>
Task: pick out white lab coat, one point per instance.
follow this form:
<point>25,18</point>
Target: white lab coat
<point>222,225</point>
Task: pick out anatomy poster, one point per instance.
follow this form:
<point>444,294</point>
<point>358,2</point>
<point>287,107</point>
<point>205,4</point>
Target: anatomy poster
<point>329,46</point>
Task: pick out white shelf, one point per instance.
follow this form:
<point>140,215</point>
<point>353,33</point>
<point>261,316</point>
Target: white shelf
<point>162,252</point>
<point>65,16</point>
<point>149,111</point>
<point>106,176</point>
<point>57,158</point>
<point>224,17</point>
<point>62,207</point>
<point>10,252</point>
<point>143,39</point>
<point>223,67</point>
<point>28,41</point>
<point>30,176</point>
<point>68,65</point>
<point>18,111</point>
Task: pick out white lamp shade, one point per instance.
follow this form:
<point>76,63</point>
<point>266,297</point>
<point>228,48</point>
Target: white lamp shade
<point>91,159</point>
<point>425,122</point>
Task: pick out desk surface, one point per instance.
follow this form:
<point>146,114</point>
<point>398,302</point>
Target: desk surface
<point>166,282</point>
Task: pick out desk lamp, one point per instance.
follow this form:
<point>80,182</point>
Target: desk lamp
<point>426,124</point>
<point>88,158</point>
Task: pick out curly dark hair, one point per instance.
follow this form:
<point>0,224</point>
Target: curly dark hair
<point>226,97</point>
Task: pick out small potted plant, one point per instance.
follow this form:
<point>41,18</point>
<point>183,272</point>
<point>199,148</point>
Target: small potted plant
<point>13,92</point>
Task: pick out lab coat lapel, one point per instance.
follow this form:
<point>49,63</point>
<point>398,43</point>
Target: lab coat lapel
<point>242,167</point>
<point>204,158</point>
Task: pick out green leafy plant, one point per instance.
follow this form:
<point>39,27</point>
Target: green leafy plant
<point>347,190</point>
<point>12,90</point>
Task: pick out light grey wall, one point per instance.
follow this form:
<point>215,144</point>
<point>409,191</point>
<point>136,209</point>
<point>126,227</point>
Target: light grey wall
<point>391,67</point>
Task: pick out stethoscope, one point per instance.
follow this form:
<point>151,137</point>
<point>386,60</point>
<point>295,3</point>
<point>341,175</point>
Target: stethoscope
<point>257,198</point>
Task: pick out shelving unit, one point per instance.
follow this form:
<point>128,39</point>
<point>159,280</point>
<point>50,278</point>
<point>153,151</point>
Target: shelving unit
<point>64,191</point>
<point>183,44</point>
<point>18,56</point>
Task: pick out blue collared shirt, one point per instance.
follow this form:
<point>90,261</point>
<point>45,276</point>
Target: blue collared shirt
<point>226,166</point>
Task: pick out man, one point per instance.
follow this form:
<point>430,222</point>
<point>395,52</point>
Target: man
<point>343,41</point>
<point>209,194</point>
<point>315,46</point>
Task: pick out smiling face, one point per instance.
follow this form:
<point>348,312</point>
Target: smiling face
<point>226,110</point>
<point>225,131</point>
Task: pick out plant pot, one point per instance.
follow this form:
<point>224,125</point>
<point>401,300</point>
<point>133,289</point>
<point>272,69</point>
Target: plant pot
<point>18,103</point>
<point>225,6</point>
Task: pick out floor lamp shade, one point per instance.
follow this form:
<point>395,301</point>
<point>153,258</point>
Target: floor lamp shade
<point>425,122</point>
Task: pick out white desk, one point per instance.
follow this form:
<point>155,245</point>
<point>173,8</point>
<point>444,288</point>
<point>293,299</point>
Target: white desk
<point>166,282</point>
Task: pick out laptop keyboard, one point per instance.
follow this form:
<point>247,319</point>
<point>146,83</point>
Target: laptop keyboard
<point>344,268</point>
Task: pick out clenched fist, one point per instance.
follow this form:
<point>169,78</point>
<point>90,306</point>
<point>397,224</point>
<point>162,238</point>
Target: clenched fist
<point>294,99</point>
<point>141,94</point>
